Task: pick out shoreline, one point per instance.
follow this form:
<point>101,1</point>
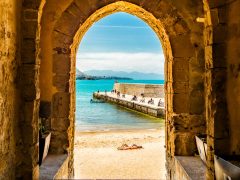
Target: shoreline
<point>115,130</point>
<point>96,154</point>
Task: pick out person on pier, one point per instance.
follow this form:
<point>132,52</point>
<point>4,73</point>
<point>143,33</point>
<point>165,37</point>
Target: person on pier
<point>118,94</point>
<point>134,98</point>
<point>151,101</point>
<point>160,103</point>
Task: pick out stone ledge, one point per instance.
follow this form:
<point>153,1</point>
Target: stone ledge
<point>189,168</point>
<point>54,167</point>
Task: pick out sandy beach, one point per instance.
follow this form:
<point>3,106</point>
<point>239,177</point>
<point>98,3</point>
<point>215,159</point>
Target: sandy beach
<point>96,155</point>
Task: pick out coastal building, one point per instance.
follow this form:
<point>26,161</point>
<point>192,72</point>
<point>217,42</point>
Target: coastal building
<point>39,38</point>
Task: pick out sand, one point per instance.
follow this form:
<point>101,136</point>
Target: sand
<point>96,155</point>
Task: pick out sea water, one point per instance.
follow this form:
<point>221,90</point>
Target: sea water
<point>107,116</point>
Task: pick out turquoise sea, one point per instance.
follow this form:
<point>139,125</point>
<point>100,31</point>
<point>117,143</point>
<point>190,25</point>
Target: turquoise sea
<point>106,116</point>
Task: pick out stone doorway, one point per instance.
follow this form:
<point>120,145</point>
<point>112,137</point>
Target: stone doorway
<point>61,29</point>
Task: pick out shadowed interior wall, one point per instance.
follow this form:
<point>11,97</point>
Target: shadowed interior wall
<point>222,56</point>
<point>233,74</point>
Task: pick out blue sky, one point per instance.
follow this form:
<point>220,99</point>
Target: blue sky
<point>120,42</point>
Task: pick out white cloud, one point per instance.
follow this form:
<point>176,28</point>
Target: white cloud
<point>121,61</point>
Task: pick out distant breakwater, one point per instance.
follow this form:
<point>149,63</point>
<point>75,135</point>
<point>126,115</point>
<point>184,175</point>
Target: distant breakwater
<point>148,109</point>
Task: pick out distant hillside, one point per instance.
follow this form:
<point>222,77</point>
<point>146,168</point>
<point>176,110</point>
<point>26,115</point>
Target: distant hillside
<point>81,75</point>
<point>133,75</point>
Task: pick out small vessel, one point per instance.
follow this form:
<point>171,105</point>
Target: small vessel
<point>97,101</point>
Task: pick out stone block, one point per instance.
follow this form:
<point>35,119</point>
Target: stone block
<point>189,123</point>
<point>179,27</point>
<point>222,15</point>
<point>60,124</point>
<point>185,144</point>
<point>61,40</point>
<point>150,6</point>
<point>197,64</point>
<point>45,109</point>
<point>59,142</point>
<point>30,133</point>
<point>61,105</point>
<point>29,51</point>
<point>233,32</point>
<point>62,50</point>
<point>180,87</point>
<point>219,34</point>
<point>30,15</point>
<point>85,6</point>
<point>219,78</point>
<point>196,99</point>
<point>76,11</point>
<point>182,46</point>
<point>61,82</point>
<point>232,49</point>
<point>214,16</point>
<point>30,112</point>
<point>181,103</point>
<point>68,24</point>
<point>221,120</point>
<point>61,64</point>
<point>30,82</point>
<point>29,29</point>
<point>31,4</point>
<point>196,80</point>
<point>214,3</point>
<point>180,67</point>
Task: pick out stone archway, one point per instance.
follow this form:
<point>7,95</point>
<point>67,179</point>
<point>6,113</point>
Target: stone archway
<point>63,27</point>
<point>28,45</point>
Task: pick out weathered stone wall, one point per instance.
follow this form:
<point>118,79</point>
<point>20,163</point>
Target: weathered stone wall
<point>221,85</point>
<point>149,90</point>
<point>65,23</point>
<point>30,92</point>
<point>10,139</point>
<point>233,74</point>
<point>48,55</point>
